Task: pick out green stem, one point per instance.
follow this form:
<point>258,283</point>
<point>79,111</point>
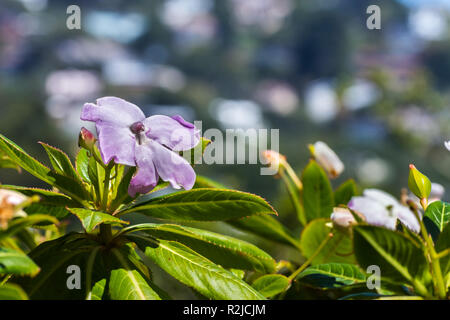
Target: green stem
<point>295,198</point>
<point>442,254</point>
<point>435,265</point>
<point>104,204</point>
<point>106,232</point>
<point>295,187</point>
<point>291,173</point>
<point>90,267</point>
<point>96,154</point>
<point>311,258</point>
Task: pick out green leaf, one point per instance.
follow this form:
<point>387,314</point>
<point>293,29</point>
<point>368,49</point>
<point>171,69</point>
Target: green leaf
<point>198,272</point>
<point>317,192</point>
<point>122,196</point>
<point>338,249</point>
<point>10,291</point>
<point>204,182</point>
<point>343,273</point>
<point>18,224</point>
<point>443,243</point>
<point>60,162</point>
<point>50,203</point>
<point>15,262</point>
<point>204,205</point>
<point>194,155</point>
<point>6,162</point>
<point>267,227</point>
<point>54,257</point>
<point>31,165</point>
<point>399,257</point>
<point>128,284</point>
<point>46,197</point>
<point>22,159</point>
<point>97,176</point>
<point>345,192</point>
<point>58,212</point>
<point>439,213</point>
<point>90,218</point>
<point>226,251</point>
<point>271,284</point>
<point>82,164</point>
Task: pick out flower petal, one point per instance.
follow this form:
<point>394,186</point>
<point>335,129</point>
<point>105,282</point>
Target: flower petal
<point>342,217</point>
<point>112,110</point>
<point>375,213</point>
<point>116,143</point>
<point>146,177</point>
<point>380,196</point>
<point>407,217</point>
<point>174,133</point>
<point>171,167</point>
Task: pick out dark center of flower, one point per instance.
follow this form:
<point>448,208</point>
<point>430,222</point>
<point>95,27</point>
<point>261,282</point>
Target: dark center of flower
<point>137,127</point>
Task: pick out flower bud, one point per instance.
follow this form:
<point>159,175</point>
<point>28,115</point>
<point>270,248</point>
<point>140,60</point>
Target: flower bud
<point>418,183</point>
<point>273,158</point>
<point>342,217</point>
<point>327,159</point>
<point>86,139</point>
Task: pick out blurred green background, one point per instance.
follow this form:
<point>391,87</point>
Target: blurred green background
<point>379,98</point>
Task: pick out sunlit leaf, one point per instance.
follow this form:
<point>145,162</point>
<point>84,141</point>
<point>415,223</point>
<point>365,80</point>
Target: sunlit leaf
<point>267,227</point>
<point>198,272</point>
<point>271,284</point>
<point>342,274</point>
<point>203,205</point>
<point>15,262</point>
<point>439,213</point>
<point>337,249</point>
<point>318,199</point>
<point>345,192</point>
<point>91,219</point>
<point>11,291</point>
<point>399,258</point>
<point>226,251</point>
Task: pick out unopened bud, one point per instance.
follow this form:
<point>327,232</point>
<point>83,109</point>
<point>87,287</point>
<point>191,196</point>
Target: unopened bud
<point>327,159</point>
<point>342,217</point>
<point>418,183</point>
<point>86,139</point>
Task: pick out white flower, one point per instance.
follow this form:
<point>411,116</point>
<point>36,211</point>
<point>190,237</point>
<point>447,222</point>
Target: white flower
<point>381,209</point>
<point>447,145</point>
<point>342,217</point>
<point>328,159</point>
<point>8,202</point>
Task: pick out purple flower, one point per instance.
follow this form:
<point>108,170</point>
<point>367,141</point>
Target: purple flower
<point>127,137</point>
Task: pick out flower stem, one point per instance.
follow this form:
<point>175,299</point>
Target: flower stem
<point>435,265</point>
<point>295,198</point>
<point>104,204</point>
<point>311,258</point>
<point>442,254</point>
<point>295,187</point>
<point>106,232</point>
